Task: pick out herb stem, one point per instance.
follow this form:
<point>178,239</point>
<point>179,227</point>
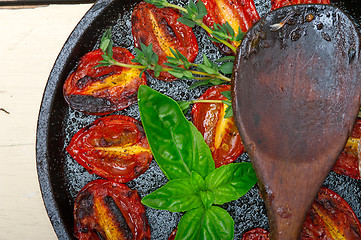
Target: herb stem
<point>114,62</point>
<point>182,9</point>
<point>210,31</point>
<point>205,101</point>
<point>219,76</point>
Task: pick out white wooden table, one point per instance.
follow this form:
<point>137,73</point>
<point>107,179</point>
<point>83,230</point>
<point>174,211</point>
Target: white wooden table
<point>30,40</point>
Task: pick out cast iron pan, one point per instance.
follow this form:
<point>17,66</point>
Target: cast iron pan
<point>61,177</point>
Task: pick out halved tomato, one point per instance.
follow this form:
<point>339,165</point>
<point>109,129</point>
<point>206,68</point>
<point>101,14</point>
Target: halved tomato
<point>106,89</point>
<point>108,210</point>
<point>239,14</point>
<point>256,234</point>
<point>329,218</point>
<point>282,3</point>
<point>159,26</point>
<point>349,161</point>
<point>114,147</point>
<point>220,134</point>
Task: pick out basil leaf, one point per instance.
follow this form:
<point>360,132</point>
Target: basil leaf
<point>176,196</point>
<point>207,198</point>
<point>201,224</point>
<point>197,181</point>
<point>176,144</point>
<point>231,181</point>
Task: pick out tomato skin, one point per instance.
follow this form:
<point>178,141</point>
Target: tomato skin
<point>114,147</point>
<point>225,142</point>
<point>159,26</point>
<point>282,3</point>
<point>256,234</point>
<point>106,89</point>
<point>111,210</point>
<point>172,235</point>
<point>241,14</point>
<point>347,163</point>
<point>330,217</point>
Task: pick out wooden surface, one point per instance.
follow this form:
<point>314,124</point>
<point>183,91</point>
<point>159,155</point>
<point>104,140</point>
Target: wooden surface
<point>29,44</point>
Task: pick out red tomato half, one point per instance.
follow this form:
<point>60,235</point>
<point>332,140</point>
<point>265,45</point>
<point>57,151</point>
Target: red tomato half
<point>160,27</point>
<point>349,162</point>
<point>282,3</point>
<point>108,210</point>
<point>220,134</point>
<point>239,14</point>
<point>256,234</point>
<point>113,147</point>
<point>329,218</point>
<point>103,90</point>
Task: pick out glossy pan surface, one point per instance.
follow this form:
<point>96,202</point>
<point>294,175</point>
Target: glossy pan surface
<point>61,177</point>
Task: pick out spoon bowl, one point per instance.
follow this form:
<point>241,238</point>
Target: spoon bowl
<point>296,95</point>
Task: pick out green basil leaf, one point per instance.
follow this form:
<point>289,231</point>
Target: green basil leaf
<point>230,182</point>
<point>202,224</point>
<point>176,196</point>
<point>197,181</point>
<point>207,198</point>
<point>176,144</point>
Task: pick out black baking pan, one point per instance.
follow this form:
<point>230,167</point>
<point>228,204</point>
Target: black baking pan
<point>61,177</point>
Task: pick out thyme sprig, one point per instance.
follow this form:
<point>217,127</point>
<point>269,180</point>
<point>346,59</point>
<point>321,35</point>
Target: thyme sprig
<point>177,65</point>
<point>193,14</point>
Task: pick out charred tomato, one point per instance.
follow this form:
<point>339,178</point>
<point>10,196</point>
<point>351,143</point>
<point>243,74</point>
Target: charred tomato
<point>282,3</point>
<point>109,210</point>
<point>220,134</point>
<point>159,26</point>
<point>114,147</point>
<point>239,14</point>
<point>349,161</point>
<point>102,90</point>
<point>330,217</point>
<point>256,234</point>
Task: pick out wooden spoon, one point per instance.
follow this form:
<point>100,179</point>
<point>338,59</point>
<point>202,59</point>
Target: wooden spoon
<point>296,95</point>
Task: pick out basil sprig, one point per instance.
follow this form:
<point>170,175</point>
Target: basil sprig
<point>194,185</point>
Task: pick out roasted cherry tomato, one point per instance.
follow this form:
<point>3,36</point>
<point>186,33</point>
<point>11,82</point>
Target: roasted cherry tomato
<point>329,218</point>
<point>113,147</point>
<point>256,234</point>
<point>159,26</point>
<point>108,210</point>
<point>220,134</point>
<point>106,89</point>
<point>239,14</point>
<point>282,3</point>
<point>172,235</point>
<point>349,162</point>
